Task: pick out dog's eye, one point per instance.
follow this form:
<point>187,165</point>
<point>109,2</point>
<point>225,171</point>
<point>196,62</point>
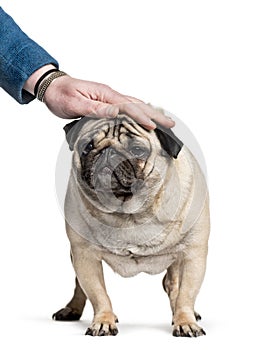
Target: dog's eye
<point>138,151</point>
<point>88,148</point>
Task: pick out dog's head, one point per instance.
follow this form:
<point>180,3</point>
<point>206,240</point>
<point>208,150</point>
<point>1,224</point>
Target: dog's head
<point>120,166</point>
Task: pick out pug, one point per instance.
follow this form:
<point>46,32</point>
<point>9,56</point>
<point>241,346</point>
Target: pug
<point>137,200</point>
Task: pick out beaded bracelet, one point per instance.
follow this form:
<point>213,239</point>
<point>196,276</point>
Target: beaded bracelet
<point>46,83</point>
<point>41,78</point>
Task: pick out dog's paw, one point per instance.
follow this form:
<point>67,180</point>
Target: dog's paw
<point>102,325</point>
<point>66,314</point>
<point>188,330</point>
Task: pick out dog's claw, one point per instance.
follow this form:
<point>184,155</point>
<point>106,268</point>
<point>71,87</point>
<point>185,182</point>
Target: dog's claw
<point>114,331</point>
<point>89,331</point>
<point>101,333</point>
<point>198,317</point>
<point>188,330</point>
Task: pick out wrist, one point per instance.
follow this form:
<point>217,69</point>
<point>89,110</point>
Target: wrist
<point>32,80</point>
<point>45,81</point>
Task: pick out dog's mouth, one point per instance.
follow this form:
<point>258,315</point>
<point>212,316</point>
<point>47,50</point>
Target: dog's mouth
<point>114,181</point>
<point>111,173</point>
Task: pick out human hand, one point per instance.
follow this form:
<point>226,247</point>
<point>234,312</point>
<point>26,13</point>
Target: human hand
<point>68,97</point>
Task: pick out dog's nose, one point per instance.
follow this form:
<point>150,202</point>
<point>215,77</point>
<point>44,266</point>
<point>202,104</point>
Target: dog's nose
<point>113,157</point>
<point>109,157</point>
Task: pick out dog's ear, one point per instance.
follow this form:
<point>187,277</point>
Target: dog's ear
<point>71,131</point>
<point>168,140</point>
<point>68,126</point>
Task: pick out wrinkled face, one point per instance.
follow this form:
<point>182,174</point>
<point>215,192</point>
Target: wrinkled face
<point>120,166</point>
<point>113,166</point>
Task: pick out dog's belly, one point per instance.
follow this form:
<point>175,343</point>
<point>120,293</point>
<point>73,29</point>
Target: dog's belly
<point>131,265</point>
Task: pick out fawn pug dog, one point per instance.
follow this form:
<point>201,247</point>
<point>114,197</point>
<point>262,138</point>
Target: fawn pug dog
<point>136,199</point>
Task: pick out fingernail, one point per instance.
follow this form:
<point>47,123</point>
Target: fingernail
<point>170,120</point>
<point>152,125</point>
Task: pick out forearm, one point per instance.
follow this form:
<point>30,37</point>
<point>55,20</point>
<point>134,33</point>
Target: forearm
<point>20,59</point>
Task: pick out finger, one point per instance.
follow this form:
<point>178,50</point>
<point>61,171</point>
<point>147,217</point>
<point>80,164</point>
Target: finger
<point>141,112</point>
<point>134,111</point>
<point>126,106</point>
<point>146,115</point>
<point>104,110</point>
<point>100,109</point>
<point>156,115</point>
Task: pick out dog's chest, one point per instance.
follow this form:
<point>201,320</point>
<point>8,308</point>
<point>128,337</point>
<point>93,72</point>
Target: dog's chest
<point>132,264</point>
<point>132,260</point>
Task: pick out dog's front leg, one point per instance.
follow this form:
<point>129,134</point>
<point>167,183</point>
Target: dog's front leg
<point>192,273</point>
<point>89,271</point>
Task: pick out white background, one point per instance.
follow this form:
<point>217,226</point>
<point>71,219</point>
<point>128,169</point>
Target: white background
<point>202,61</point>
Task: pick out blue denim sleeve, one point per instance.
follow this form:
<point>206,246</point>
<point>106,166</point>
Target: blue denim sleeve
<point>19,58</point>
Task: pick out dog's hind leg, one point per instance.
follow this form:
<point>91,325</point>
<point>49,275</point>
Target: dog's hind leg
<point>74,309</point>
<point>171,283</point>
